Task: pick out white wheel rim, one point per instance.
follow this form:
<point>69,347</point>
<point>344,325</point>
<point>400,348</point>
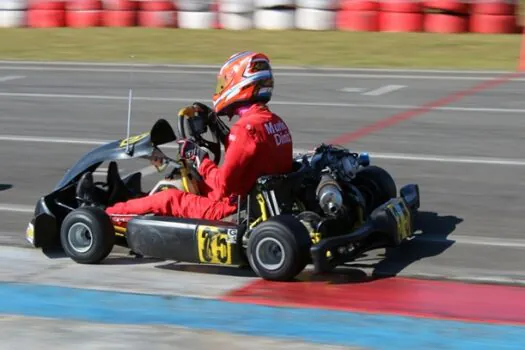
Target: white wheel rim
<point>80,237</point>
<point>267,251</point>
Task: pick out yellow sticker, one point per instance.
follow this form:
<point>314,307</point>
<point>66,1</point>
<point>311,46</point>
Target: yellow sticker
<point>133,139</point>
<point>402,216</point>
<point>213,246</point>
<point>30,234</point>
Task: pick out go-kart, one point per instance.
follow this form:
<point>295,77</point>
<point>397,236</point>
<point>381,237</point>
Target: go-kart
<point>330,209</point>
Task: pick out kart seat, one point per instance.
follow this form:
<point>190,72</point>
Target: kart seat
<point>117,190</point>
<point>278,191</point>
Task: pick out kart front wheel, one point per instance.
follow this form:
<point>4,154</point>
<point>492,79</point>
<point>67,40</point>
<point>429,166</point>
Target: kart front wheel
<point>278,249</point>
<point>87,235</point>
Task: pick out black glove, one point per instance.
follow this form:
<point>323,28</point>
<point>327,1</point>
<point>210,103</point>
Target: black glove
<point>191,151</point>
<point>215,124</point>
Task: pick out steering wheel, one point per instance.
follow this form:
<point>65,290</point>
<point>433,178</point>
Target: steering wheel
<point>193,128</point>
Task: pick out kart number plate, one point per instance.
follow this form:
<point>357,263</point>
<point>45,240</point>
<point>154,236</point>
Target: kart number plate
<point>30,233</point>
<point>403,218</point>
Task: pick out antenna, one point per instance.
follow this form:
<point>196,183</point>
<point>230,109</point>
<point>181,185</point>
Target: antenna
<point>130,97</point>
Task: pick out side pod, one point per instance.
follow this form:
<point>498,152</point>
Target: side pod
<point>186,240</point>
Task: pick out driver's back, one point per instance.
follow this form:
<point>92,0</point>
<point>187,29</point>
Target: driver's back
<point>259,144</point>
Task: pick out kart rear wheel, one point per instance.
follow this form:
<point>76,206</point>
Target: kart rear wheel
<point>278,249</point>
<point>87,235</point>
<point>376,184</point>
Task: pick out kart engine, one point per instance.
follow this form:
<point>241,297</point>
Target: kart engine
<point>330,195</point>
<point>335,194</point>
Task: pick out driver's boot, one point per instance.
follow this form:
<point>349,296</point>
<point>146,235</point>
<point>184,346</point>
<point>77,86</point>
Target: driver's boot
<point>85,188</point>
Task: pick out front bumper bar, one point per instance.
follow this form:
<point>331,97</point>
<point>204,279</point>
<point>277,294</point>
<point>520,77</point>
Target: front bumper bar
<point>394,219</point>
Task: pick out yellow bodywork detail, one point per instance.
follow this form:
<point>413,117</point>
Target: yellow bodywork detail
<point>213,246</point>
<point>189,185</point>
<point>256,222</point>
<point>401,215</point>
<point>119,231</point>
<point>316,237</point>
<point>262,206</point>
<point>187,112</point>
<point>30,233</point>
<point>133,139</point>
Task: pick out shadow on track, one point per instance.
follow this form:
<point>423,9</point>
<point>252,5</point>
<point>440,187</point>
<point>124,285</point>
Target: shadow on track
<point>431,241</point>
<point>210,270</point>
<point>5,187</point>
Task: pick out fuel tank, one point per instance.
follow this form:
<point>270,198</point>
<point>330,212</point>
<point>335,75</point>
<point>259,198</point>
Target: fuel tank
<point>188,240</point>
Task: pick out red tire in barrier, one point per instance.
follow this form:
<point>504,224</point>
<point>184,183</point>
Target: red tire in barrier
<point>120,5</point>
<point>494,7</point>
<point>358,21</point>
<point>444,23</point>
<point>401,22</point>
<point>157,19</point>
<point>156,5</point>
<point>359,5</point>
<point>401,6</point>
<point>119,18</point>
<point>456,6</point>
<point>84,19</point>
<point>493,24</point>
<point>56,5</point>
<point>84,5</point>
<point>46,18</point>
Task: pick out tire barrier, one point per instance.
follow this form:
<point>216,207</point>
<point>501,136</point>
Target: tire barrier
<point>431,16</point>
<point>46,14</point>
<point>13,13</point>
<point>315,19</point>
<point>445,23</point>
<point>84,13</point>
<point>236,14</point>
<point>493,24</point>
<point>157,14</point>
<point>358,20</point>
<point>401,21</point>
<point>274,19</point>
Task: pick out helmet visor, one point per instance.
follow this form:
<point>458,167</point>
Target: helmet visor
<point>221,82</point>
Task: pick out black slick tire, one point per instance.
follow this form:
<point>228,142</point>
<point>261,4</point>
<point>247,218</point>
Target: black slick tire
<point>279,248</point>
<point>87,235</point>
<point>376,184</point>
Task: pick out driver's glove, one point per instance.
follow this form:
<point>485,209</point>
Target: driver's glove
<point>191,151</point>
<point>212,120</point>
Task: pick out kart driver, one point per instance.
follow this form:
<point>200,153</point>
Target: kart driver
<point>258,144</point>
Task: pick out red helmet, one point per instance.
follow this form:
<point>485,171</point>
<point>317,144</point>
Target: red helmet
<point>245,78</point>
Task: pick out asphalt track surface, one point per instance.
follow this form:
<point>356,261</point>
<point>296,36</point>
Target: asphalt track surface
<point>465,152</point>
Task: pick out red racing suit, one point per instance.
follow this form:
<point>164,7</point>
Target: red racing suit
<point>258,144</point>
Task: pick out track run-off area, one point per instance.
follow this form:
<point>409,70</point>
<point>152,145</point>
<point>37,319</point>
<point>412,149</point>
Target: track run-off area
<point>458,285</point>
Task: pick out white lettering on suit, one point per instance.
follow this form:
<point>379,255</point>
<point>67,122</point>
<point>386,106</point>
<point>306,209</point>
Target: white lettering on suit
<point>279,131</point>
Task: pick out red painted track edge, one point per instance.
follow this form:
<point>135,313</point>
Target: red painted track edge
<point>241,296</point>
<point>429,316</point>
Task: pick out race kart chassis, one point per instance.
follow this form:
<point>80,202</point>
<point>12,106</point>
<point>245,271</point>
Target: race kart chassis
<point>220,242</point>
<point>316,214</point>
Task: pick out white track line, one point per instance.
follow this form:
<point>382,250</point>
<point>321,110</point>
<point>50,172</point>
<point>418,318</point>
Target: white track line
<point>476,240</point>
<point>277,73</point>
<point>386,156</point>
<point>11,77</point>
<point>16,208</point>
<point>276,67</point>
<point>384,90</point>
<point>283,103</point>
